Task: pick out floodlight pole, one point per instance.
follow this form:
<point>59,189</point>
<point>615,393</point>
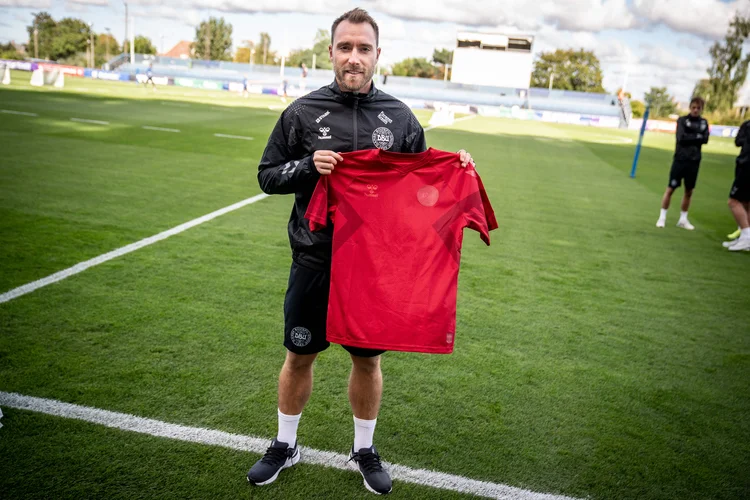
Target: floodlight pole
<point>126,27</point>
<point>108,37</point>
<point>640,140</point>
<point>36,42</point>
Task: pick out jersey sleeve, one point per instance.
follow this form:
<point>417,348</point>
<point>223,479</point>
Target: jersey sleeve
<point>477,210</point>
<point>317,209</point>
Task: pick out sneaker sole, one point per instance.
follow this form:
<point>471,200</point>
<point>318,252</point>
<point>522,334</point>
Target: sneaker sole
<point>728,244</point>
<point>364,481</point>
<point>294,460</point>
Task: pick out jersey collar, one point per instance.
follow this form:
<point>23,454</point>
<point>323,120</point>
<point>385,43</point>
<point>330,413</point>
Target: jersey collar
<point>350,96</point>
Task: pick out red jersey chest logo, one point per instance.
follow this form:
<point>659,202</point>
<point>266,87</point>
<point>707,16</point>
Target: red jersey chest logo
<point>371,191</point>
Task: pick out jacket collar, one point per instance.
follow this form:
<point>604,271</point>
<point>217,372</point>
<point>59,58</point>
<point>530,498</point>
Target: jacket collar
<point>350,96</point>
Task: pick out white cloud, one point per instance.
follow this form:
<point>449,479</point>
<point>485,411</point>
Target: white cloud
<point>273,6</point>
<point>94,3</point>
<point>589,15</point>
<point>26,4</point>
<point>663,58</point>
<point>709,18</point>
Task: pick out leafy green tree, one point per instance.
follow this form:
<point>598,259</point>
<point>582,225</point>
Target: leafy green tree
<point>415,66</point>
<point>100,49</point>
<point>638,109</point>
<point>728,66</point>
<point>703,89</point>
<point>58,40</point>
<point>444,57</point>
<point>319,49</point>
<point>213,40</point>
<point>572,69</point>
<point>142,45</point>
<point>661,103</point>
<point>8,51</point>
<point>46,27</point>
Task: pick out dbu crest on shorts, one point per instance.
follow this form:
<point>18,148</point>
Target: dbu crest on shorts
<point>300,336</point>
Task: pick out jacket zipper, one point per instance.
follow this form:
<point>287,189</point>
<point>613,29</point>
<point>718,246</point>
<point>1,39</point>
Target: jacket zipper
<point>354,120</point>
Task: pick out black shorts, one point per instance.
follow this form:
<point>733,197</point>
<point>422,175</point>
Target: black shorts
<point>687,170</point>
<point>305,312</point>
<point>741,186</point>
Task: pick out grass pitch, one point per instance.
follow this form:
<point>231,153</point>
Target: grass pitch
<point>596,356</point>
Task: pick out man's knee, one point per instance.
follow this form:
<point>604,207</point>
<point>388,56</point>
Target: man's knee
<point>366,364</point>
<point>688,193</point>
<point>734,203</point>
<point>299,362</point>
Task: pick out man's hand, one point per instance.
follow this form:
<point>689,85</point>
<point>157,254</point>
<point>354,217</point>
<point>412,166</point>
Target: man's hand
<point>325,160</point>
<point>464,157</point>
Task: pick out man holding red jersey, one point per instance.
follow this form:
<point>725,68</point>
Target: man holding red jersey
<point>348,115</point>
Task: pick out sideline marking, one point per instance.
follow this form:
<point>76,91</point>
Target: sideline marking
<point>234,136</point>
<point>14,112</point>
<point>253,444</point>
<point>84,120</point>
<point>161,129</point>
<point>82,266</point>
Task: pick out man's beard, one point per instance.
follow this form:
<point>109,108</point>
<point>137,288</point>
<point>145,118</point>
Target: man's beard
<point>341,77</point>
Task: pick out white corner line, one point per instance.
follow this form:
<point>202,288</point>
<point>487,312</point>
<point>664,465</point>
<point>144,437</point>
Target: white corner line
<point>14,112</point>
<point>82,266</point>
<point>161,129</point>
<point>234,136</point>
<point>258,445</point>
<point>84,120</point>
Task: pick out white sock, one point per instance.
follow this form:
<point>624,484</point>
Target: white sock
<point>745,233</point>
<point>288,429</point>
<point>363,432</point>
<point>683,215</point>
<point>663,214</point>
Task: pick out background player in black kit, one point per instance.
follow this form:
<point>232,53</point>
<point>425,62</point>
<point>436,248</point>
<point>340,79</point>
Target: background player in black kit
<point>739,195</point>
<point>692,134</point>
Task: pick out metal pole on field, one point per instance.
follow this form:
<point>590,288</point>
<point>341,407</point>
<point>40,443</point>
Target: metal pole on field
<point>126,27</point>
<point>640,140</point>
<point>132,40</point>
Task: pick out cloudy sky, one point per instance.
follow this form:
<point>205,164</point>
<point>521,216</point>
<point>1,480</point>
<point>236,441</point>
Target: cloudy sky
<point>653,42</point>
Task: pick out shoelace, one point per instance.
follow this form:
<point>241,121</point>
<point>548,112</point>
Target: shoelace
<point>275,455</point>
<point>370,462</point>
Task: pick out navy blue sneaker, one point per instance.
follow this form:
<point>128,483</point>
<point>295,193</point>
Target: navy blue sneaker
<point>277,458</point>
<point>367,462</point>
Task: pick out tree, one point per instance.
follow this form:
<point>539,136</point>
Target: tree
<point>100,49</point>
<point>142,45</point>
<point>572,70</point>
<point>46,26</point>
<point>703,89</point>
<point>415,66</point>
<point>443,57</point>
<point>660,101</point>
<point>638,109</point>
<point>319,49</point>
<point>242,55</point>
<point>213,40</point>
<point>728,68</point>
<point>58,40</point>
<point>8,51</point>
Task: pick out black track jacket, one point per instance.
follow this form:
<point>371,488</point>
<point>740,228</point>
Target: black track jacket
<point>692,134</point>
<point>329,119</point>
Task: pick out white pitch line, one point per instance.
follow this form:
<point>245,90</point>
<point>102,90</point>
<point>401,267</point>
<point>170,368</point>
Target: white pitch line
<point>82,266</point>
<point>234,136</point>
<point>14,112</point>
<point>253,444</point>
<point>84,120</point>
<point>161,129</point>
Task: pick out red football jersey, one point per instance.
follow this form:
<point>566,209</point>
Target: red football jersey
<point>398,222</point>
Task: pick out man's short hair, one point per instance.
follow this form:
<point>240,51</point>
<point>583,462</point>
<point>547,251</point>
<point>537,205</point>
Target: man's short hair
<point>699,100</point>
<point>356,16</point>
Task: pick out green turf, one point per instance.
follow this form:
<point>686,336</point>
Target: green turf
<point>596,356</point>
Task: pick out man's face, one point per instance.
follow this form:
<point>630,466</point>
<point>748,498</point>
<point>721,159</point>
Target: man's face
<point>695,110</point>
<point>354,56</point>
